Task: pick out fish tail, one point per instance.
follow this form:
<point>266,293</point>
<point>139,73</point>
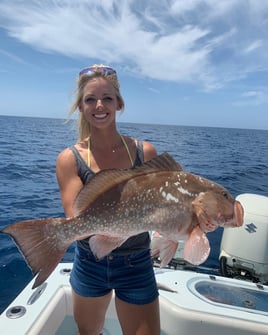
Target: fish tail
<point>37,241</point>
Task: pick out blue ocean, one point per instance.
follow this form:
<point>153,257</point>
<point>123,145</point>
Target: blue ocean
<point>235,158</point>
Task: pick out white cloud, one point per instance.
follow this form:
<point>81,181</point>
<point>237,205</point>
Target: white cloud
<point>253,46</point>
<point>11,56</point>
<point>207,42</point>
<point>154,90</point>
<point>253,98</point>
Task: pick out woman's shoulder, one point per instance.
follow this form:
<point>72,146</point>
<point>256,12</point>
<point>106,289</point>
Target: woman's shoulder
<point>65,154</point>
<point>68,154</point>
<point>149,151</point>
<point>66,159</point>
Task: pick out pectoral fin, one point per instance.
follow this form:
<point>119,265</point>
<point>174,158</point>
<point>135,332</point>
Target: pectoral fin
<point>102,245</point>
<point>164,248</point>
<point>197,248</point>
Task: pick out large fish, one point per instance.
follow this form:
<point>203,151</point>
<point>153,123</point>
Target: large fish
<point>116,204</point>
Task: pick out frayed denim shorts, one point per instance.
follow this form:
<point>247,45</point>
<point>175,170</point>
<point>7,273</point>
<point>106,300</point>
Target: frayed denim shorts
<point>131,276</point>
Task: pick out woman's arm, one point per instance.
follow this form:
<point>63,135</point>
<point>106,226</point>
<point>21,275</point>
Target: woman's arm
<point>69,181</point>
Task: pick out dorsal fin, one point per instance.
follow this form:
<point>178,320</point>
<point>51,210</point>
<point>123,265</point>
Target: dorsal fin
<point>107,179</point>
<point>163,162</point>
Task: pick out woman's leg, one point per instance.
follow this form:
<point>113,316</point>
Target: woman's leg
<point>139,319</point>
<point>91,296</point>
<point>136,295</point>
<point>89,313</point>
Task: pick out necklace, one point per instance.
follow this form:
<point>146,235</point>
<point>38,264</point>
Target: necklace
<point>113,151</point>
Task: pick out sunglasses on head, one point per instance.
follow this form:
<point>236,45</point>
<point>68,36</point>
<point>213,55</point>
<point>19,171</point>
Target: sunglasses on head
<point>93,69</point>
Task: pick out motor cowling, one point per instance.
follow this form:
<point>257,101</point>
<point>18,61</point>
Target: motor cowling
<point>244,250</point>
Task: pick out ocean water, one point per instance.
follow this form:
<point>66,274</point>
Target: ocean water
<point>235,158</point>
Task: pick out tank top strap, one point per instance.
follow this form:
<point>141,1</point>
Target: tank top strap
<point>139,156</point>
<point>83,171</point>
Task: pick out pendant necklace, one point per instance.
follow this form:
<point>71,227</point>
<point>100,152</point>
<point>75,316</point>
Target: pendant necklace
<point>113,151</point>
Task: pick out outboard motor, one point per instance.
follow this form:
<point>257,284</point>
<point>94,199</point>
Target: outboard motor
<point>244,250</point>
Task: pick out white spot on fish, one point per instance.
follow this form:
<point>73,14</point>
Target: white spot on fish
<point>171,197</point>
<point>168,196</point>
<point>184,191</point>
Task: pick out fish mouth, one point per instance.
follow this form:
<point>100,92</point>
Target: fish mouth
<point>238,213</point>
<point>236,220</point>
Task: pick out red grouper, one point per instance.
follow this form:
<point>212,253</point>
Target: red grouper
<point>116,204</point>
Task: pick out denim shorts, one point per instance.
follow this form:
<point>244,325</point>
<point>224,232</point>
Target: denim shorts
<point>131,276</point>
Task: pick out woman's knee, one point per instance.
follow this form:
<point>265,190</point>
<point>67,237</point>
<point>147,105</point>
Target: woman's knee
<point>89,313</point>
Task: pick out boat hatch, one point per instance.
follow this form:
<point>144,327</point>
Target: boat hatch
<point>233,296</point>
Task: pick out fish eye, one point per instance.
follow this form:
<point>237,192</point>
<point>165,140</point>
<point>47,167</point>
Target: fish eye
<point>225,195</point>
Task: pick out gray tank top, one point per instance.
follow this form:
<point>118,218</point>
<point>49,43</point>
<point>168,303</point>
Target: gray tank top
<point>134,243</point>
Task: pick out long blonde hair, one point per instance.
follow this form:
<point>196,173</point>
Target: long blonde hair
<point>82,80</point>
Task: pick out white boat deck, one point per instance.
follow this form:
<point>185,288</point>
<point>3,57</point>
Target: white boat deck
<point>197,307</point>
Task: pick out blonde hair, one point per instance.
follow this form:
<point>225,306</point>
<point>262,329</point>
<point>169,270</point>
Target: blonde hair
<point>82,80</point>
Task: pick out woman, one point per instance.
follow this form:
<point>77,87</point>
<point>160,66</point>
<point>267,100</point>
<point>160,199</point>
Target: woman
<point>128,269</point>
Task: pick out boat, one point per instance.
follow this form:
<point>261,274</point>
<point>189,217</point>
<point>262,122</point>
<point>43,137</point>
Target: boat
<point>233,302</point>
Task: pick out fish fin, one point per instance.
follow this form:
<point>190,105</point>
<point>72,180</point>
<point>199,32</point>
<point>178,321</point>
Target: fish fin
<point>37,242</point>
<point>102,245</point>
<point>107,179</point>
<point>163,247</point>
<point>197,248</point>
<point>163,162</point>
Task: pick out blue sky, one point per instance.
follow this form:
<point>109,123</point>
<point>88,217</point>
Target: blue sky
<point>193,62</point>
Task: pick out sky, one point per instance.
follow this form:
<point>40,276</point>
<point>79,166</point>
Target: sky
<point>179,62</point>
